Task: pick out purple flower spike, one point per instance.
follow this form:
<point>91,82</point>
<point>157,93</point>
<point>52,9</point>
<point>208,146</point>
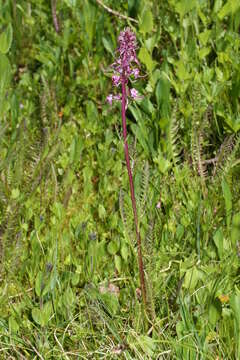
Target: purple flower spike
<point>126,65</point>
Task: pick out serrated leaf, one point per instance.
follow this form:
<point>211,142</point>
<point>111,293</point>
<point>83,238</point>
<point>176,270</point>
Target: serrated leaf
<point>6,39</point>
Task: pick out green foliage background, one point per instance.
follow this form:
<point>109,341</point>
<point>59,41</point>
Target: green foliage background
<point>69,277</point>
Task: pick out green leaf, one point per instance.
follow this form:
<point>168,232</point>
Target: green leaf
<point>111,302</point>
<point>228,201</point>
<point>147,344</point>
<point>71,3</point>
<point>41,317</point>
<point>38,283</point>
<point>118,263</point>
<point>218,240</point>
<point>235,306</point>
<point>181,71</point>
<point>146,59</point>
<point>214,311</point>
<point>163,164</point>
<point>162,96</point>
<point>6,39</point>
<point>108,46</point>
<point>235,231</point>
<point>184,6</point>
<point>146,22</point>
<point>69,297</point>
<point>101,211</point>
<point>113,247</point>
<point>229,8</point>
<point>204,52</point>
<point>204,37</point>
<point>124,252</point>
<point>15,194</point>
<point>37,316</point>
<point>5,73</point>
<point>13,325</point>
<point>191,278</point>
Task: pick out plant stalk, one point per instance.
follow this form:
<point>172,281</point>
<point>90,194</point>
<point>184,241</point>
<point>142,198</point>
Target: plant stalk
<point>139,245</point>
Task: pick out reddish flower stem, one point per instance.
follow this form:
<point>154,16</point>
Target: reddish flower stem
<point>139,245</point>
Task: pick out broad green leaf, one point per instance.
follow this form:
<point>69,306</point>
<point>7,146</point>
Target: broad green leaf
<point>111,302</point>
<point>15,194</point>
<point>146,22</point>
<point>181,70</point>
<point>214,312</point>
<point>204,52</point>
<point>113,247</point>
<point>13,325</point>
<point>5,73</point>
<point>229,8</point>
<point>217,5</point>
<point>101,211</point>
<point>218,240</point>
<point>191,278</point>
<point>147,344</point>
<point>38,283</point>
<point>6,39</point>
<point>235,230</point>
<point>146,59</point>
<point>184,6</point>
<point>162,93</point>
<point>204,37</point>
<point>69,297</point>
<point>37,316</point>
<point>42,316</point>
<point>235,306</point>
<point>118,263</point>
<point>233,122</point>
<point>124,251</point>
<point>163,164</point>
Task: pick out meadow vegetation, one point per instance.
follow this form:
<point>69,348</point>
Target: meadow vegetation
<point>69,277</point>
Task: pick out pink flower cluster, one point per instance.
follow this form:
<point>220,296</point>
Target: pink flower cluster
<point>126,65</point>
